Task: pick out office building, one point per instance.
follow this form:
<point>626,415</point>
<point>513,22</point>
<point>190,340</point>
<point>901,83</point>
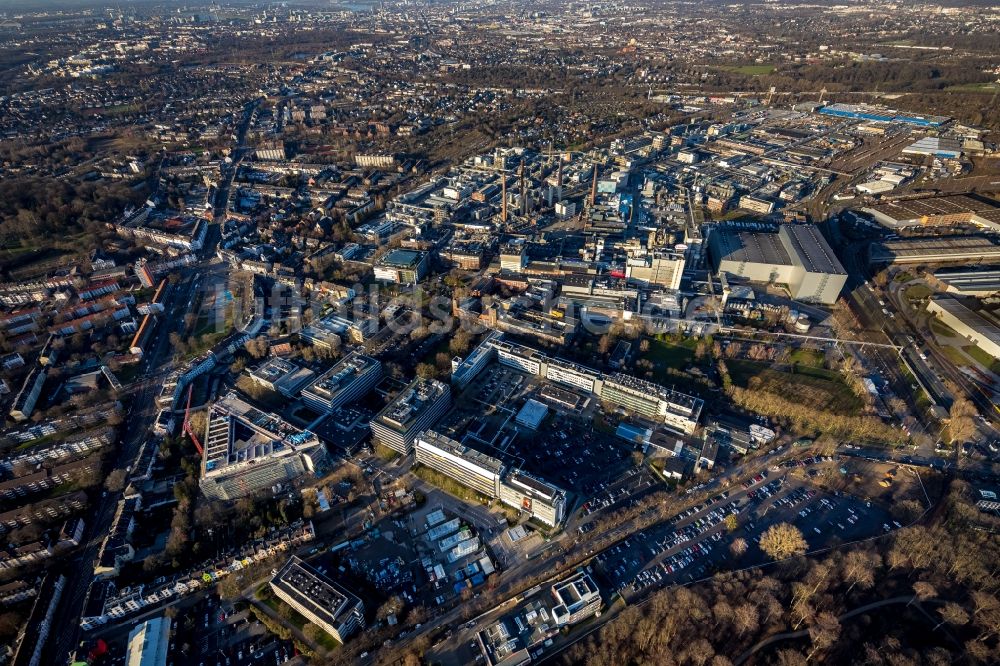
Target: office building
<point>282,376</point>
<point>539,499</point>
<point>319,599</point>
<point>981,329</point>
<point>402,267</point>
<point>796,255</point>
<point>247,450</point>
<point>577,598</point>
<point>465,370</point>
<point>469,467</point>
<point>571,374</point>
<point>677,410</point>
<point>411,412</point>
<point>532,414</point>
<point>349,380</point>
<point>149,643</point>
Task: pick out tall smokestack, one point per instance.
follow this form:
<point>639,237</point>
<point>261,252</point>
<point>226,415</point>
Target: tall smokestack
<point>559,173</point>
<point>503,202</point>
<point>593,187</point>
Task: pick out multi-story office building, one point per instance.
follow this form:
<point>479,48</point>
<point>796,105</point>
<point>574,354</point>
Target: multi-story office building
<point>519,357</point>
<point>467,466</point>
<point>677,410</point>
<point>414,410</point>
<point>282,376</point>
<point>535,497</point>
<point>402,266</point>
<point>350,379</point>
<point>571,374</point>
<point>247,450</point>
<point>319,599</point>
<point>577,598</point>
<point>489,476</point>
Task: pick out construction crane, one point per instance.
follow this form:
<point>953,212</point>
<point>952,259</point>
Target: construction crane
<point>187,424</point>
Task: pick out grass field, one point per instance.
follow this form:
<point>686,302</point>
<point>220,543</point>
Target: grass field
<point>974,88</point>
<point>664,355</point>
<point>954,355</point>
<point>983,358</point>
<point>814,387</point>
<point>750,70</point>
<point>943,330</point>
<point>807,357</point>
<point>918,292</point>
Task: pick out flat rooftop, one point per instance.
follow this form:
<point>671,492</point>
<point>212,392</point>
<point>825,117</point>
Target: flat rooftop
<point>340,377</point>
<point>412,401</point>
<point>752,247</point>
<point>402,258</point>
<point>915,209</point>
<point>459,450</point>
<point>812,249</point>
<point>324,597</point>
<point>238,433</point>
<point>958,246</point>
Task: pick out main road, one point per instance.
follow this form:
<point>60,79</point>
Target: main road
<point>138,422</point>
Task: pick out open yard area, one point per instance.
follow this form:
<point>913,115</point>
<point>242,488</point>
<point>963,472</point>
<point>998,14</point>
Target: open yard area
<point>812,386</point>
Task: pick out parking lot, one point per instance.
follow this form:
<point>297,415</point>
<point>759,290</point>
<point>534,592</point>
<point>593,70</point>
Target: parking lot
<point>566,449</point>
<point>695,542</point>
<point>205,633</point>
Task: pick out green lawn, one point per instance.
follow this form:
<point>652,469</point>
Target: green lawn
<point>664,355</point>
<point>820,389</point>
<point>807,357</point>
<point>918,292</point>
<point>750,70</point>
<point>942,329</point>
<point>974,88</point>
<point>983,358</point>
<point>954,355</point>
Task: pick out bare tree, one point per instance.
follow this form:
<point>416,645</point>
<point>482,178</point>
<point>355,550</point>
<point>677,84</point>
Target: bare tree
<point>823,633</point>
<point>783,540</point>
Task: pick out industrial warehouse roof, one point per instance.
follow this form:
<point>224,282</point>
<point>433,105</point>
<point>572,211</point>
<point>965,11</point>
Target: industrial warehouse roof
<point>936,249</point>
<point>981,281</point>
<point>752,247</point>
<point>913,211</point>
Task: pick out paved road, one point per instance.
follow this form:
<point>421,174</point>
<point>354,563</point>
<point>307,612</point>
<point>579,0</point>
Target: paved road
<point>137,425</point>
<point>846,616</point>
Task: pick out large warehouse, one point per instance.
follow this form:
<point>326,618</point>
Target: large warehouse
<point>967,250</point>
<point>937,212</point>
<point>796,255</point>
<point>981,330</point>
